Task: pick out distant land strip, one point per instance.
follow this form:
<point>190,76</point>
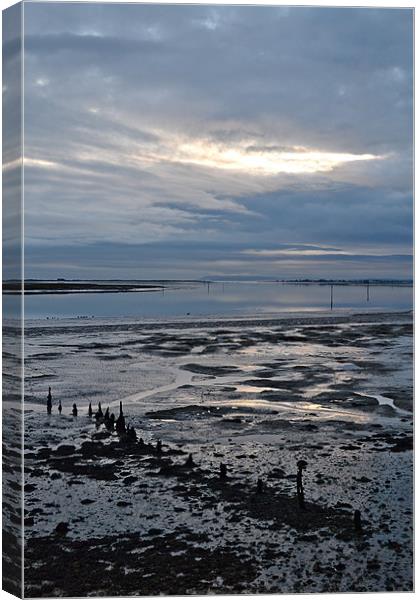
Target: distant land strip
<point>71,287</point>
<point>67,286</point>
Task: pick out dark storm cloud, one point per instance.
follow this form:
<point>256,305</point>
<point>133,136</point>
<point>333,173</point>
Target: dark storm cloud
<point>125,105</point>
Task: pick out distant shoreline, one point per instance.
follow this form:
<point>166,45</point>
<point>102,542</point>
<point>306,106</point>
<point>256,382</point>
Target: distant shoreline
<point>67,286</point>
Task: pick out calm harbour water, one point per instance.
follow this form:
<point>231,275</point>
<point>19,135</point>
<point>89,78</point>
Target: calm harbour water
<point>218,299</point>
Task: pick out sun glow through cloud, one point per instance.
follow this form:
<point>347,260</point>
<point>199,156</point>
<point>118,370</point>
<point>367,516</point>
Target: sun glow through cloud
<point>297,160</point>
<point>272,254</point>
<point>245,157</point>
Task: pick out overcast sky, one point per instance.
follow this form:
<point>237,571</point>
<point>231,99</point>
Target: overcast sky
<point>189,142</point>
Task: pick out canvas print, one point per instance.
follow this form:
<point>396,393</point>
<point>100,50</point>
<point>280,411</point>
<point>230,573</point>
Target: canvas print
<point>207,299</point>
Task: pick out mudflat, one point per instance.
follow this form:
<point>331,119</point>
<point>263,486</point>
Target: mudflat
<point>107,515</point>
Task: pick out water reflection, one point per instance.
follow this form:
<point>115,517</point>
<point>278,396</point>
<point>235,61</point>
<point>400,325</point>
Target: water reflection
<point>217,299</point>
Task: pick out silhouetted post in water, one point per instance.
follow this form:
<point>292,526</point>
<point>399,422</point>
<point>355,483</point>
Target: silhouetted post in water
<point>367,292</point>
<point>49,401</point>
<point>99,414</point>
<point>223,471</point>
<point>357,521</point>
<point>159,447</point>
<point>131,433</point>
<point>301,465</point>
<point>260,486</point>
<point>109,420</point>
<point>90,411</point>
<point>332,296</point>
<point>74,411</point>
<point>60,408</point>
<point>189,462</point>
<point>120,424</point>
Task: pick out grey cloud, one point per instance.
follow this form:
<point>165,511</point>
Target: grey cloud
<point>109,86</point>
<point>172,260</point>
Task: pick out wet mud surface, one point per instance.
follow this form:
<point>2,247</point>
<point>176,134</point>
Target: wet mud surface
<point>106,516</point>
<point>12,460</point>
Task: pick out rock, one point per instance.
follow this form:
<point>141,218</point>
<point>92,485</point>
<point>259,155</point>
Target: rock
<point>62,528</point>
<point>395,546</point>
<point>373,565</point>
<point>65,450</point>
<point>403,444</point>
<point>44,453</point>
<point>129,480</point>
<point>309,537</point>
<point>101,435</point>
<point>91,447</point>
<point>37,473</point>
